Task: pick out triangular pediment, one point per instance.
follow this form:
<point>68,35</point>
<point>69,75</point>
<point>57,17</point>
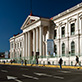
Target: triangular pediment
<point>29,20</point>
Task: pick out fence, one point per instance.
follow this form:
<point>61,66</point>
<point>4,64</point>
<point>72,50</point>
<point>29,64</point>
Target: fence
<point>68,59</point>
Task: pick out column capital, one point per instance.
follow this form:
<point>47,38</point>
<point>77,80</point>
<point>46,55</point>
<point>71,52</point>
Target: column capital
<point>41,41</point>
<point>40,25</point>
<point>25,33</point>
<point>33,28</point>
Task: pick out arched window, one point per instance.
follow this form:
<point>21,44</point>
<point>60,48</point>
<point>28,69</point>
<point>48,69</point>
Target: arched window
<point>55,49</point>
<point>72,48</point>
<point>63,49</point>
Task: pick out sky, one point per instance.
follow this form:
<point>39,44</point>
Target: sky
<point>14,12</point>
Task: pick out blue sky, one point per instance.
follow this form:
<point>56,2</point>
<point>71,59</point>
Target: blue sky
<point>14,12</point>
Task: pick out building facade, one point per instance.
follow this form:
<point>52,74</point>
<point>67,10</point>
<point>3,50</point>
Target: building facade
<point>65,29</point>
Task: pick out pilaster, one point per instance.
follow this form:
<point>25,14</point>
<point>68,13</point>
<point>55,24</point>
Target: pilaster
<point>34,42</point>
<point>41,40</point>
<point>37,40</point>
<point>29,47</point>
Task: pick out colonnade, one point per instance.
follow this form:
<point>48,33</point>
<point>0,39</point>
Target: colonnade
<point>37,42</point>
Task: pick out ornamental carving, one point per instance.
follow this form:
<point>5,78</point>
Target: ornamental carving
<point>71,20</point>
<point>62,23</point>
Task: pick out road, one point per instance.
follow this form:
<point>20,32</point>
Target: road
<point>38,74</point>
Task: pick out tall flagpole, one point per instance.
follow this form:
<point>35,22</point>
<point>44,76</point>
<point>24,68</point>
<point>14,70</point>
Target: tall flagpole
<point>30,7</point>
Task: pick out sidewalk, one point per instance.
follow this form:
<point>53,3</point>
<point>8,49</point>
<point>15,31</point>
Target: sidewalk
<point>52,66</point>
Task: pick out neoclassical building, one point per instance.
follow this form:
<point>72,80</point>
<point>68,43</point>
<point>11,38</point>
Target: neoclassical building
<point>65,29</point>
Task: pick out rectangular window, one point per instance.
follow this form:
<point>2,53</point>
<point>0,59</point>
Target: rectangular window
<point>15,45</point>
<point>55,50</point>
<point>20,44</point>
<point>72,28</point>
<point>63,49</point>
<point>63,31</point>
<point>55,34</point>
<point>11,45</point>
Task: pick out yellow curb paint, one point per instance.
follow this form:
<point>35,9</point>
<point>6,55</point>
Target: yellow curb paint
<point>54,66</point>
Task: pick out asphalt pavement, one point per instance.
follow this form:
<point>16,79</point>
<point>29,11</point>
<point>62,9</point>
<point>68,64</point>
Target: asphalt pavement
<point>11,73</point>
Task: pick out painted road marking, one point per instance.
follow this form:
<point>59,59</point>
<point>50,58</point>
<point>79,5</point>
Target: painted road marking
<point>40,74</point>
<point>4,70</point>
<point>43,74</point>
<point>65,71</point>
<point>58,77</point>
<point>31,77</point>
<point>14,78</point>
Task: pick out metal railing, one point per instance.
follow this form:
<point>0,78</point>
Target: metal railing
<point>33,59</point>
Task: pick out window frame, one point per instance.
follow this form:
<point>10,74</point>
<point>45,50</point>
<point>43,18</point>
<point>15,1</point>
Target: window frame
<point>63,30</point>
<point>55,49</point>
<point>63,49</point>
<point>55,33</point>
<point>72,28</point>
<point>72,48</point>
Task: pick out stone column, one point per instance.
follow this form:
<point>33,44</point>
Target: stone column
<point>29,46</point>
<point>14,49</point>
<point>34,42</point>
<point>81,36</point>
<point>67,52</point>
<point>81,25</point>
<point>37,45</point>
<point>78,36</point>
<point>77,24</point>
<point>24,44</point>
<point>59,41</point>
<point>41,40</point>
<point>10,50</point>
<point>26,55</point>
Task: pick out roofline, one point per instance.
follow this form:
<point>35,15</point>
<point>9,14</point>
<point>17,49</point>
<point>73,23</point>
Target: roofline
<point>16,36</point>
<point>67,11</point>
<point>41,18</point>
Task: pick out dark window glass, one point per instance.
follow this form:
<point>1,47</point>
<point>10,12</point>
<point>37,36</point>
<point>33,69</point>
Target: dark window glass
<point>63,31</point>
<point>72,28</point>
<point>72,48</point>
<point>55,34</point>
<point>63,49</point>
<point>55,49</point>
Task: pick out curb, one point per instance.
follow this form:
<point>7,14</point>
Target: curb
<point>52,66</point>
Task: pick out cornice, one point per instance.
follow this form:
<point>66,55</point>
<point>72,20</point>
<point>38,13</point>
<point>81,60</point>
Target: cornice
<point>71,20</point>
<point>68,11</point>
<point>16,36</point>
<point>62,23</point>
<point>20,35</point>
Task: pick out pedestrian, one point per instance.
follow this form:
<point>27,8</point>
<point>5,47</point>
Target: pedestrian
<point>37,60</point>
<point>22,62</point>
<point>11,61</point>
<point>77,60</point>
<point>60,63</point>
<point>25,62</point>
<point>4,61</point>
